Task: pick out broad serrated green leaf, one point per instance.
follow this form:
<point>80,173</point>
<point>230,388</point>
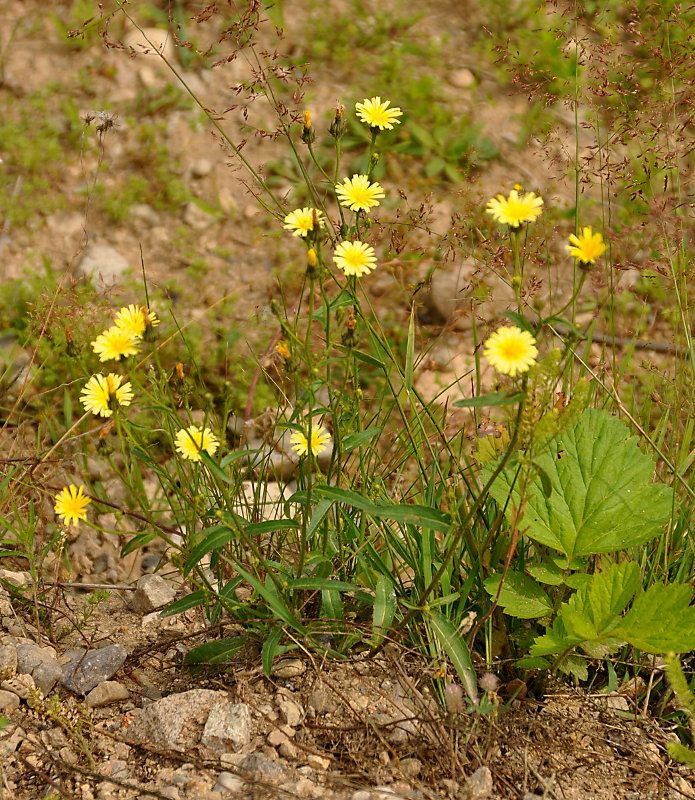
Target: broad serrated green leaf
<point>575,666</point>
<point>602,499</point>
<point>661,620</point>
<point>454,645</point>
<point>546,572</point>
<point>595,609</point>
<point>520,596</point>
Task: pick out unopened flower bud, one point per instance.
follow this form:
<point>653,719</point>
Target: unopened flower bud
<point>308,134</point>
<point>338,126</point>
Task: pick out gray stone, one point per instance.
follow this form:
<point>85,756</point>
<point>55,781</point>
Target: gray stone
<point>288,668</point>
<point>47,674</point>
<point>462,78</point>
<point>319,763</point>
<point>228,782</point>
<point>201,168</point>
<point>29,656</point>
<point>152,592</point>
<point>141,212</point>
<point>291,712</point>
<point>410,767</point>
<point>8,701</point>
<point>196,217</point>
<point>175,722</point>
<point>105,693</point>
<point>87,670</point>
<point>228,728</point>
<point>322,701</point>
<point>479,784</point>
<point>8,661</point>
<point>263,768</point>
<point>103,264</point>
<point>21,685</point>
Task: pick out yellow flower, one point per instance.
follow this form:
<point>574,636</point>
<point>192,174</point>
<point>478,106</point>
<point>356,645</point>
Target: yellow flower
<point>135,319</point>
<point>358,194</point>
<point>301,221</point>
<point>355,258</point>
<point>320,439</point>
<point>311,257</point>
<point>282,348</point>
<point>515,209</point>
<point>116,343</point>
<point>102,395</point>
<point>377,114</point>
<point>586,247</point>
<point>190,441</point>
<point>307,118</point>
<point>511,350</point>
<point>71,504</point>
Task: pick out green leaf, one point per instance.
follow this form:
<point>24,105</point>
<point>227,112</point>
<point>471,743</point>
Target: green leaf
<point>369,359</point>
<point>384,609</point>
<point>492,399</point>
<point>519,320</point>
<point>661,620</point>
<point>218,652</point>
<point>546,572</point>
<point>520,596</point>
<point>410,353</point>
<point>354,440</point>
<point>213,539</point>
<point>454,645</point>
<point>192,600</point>
<point>532,662</point>
<point>138,541</point>
<point>215,468</point>
<point>270,526</point>
<point>276,604</point>
<point>420,516</point>
<point>332,604</point>
<point>602,496</point>
<point>269,649</point>
<point>593,612</point>
<point>575,666</point>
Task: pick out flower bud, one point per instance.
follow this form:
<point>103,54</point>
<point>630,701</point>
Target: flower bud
<point>308,134</point>
<point>338,126</point>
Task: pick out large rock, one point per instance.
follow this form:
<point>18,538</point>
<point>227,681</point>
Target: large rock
<point>228,728</point>
<point>86,670</point>
<point>152,592</point>
<point>104,265</point>
<point>175,722</point>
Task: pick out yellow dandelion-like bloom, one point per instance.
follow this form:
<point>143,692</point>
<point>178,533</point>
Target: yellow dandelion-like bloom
<point>377,114</point>
<point>71,504</point>
<point>116,343</point>
<point>135,319</point>
<point>307,118</point>
<point>355,258</point>
<point>358,194</point>
<point>301,221</point>
<point>190,441</point>
<point>102,395</point>
<point>511,351</point>
<point>586,247</point>
<point>515,209</point>
<point>282,348</point>
<point>320,439</point>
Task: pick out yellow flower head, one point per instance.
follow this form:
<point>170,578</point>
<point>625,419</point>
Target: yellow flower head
<point>282,348</point>
<point>71,504</point>
<point>320,439</point>
<point>515,209</point>
<point>355,258</point>
<point>511,351</point>
<point>377,114</point>
<point>135,319</point>
<point>116,343</point>
<point>301,221</point>
<point>307,118</point>
<point>190,441</point>
<point>586,247</point>
<point>102,395</point>
<point>358,194</point>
